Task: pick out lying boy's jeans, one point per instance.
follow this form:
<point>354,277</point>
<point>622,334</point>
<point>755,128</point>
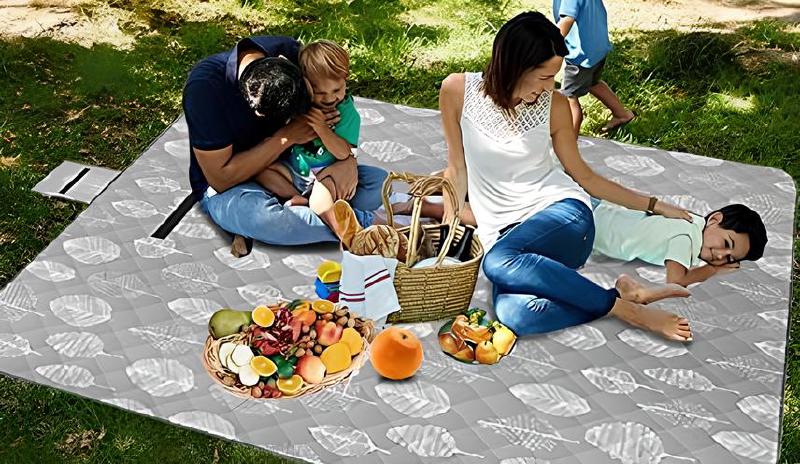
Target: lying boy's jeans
<point>533,268</point>
<point>251,211</point>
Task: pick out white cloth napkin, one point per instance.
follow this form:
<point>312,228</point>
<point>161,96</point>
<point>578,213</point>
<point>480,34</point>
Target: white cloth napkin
<point>367,285</point>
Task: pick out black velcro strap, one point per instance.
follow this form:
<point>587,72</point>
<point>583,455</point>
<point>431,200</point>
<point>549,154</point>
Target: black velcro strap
<point>74,181</point>
<point>175,217</point>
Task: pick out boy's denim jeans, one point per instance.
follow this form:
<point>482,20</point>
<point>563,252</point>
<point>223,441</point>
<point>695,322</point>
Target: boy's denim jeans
<point>533,268</point>
<point>251,211</point>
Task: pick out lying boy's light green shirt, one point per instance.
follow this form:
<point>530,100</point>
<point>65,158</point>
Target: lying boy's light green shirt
<point>626,234</point>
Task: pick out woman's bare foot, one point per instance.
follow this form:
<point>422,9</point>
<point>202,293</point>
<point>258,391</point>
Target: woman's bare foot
<point>631,290</point>
<point>667,325</point>
<point>298,200</point>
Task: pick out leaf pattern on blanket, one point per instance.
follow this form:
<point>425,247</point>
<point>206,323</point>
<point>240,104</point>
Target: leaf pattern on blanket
<point>531,357</point>
<point>161,377</point>
<point>639,166</point>
<point>191,278</point>
<point>760,294</point>
<point>550,399</point>
<point>416,398</point>
<point>205,421</point>
<point>779,267</point>
<point>308,292</point>
<point>656,275</point>
<point>254,261</point>
<point>253,407</point>
<point>305,265</point>
<point>685,379</point>
<point>195,310</point>
<point>78,345</point>
<point>304,451</point>
<point>158,184</point>
<point>128,404</point>
<point>339,397</point>
<point>779,241</point>
<point>427,441</point>
<point>629,442</point>
<point>750,367</point>
<point>778,317</point>
<point>764,409</point>
<point>69,376</point>
<point>689,203</point>
<point>441,368</point>
<point>118,285</point>
<point>524,460</point>
<point>694,160</point>
<point>81,310</point>
<point>748,445</point>
<point>785,186</point>
<point>651,345</point>
<point>370,116</point>
<point>51,271</point>
<point>602,279</point>
<point>170,337</point>
<point>775,349</point>
<point>580,337</point>
<point>92,250</point>
<point>260,294</point>
<point>526,430</point>
<point>417,112</point>
<point>771,208</point>
<point>178,148</point>
<point>17,301</point>
<point>195,230</point>
<point>151,247</point>
<point>614,380</point>
<point>386,151</point>
<point>137,209</point>
<point>344,441</point>
<point>98,218</point>
<point>13,346</point>
<point>684,414</point>
<point>693,180</point>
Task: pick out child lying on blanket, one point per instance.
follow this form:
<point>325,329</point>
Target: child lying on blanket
<point>722,239</point>
<point>325,66</point>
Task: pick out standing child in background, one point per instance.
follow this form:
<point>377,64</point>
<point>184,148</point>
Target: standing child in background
<point>325,66</point>
<point>584,26</point>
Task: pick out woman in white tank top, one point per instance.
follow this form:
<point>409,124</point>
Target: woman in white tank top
<point>534,217</point>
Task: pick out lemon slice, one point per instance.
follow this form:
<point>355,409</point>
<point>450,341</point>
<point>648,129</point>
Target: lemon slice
<point>290,386</point>
<point>322,306</point>
<point>263,366</point>
<point>263,316</point>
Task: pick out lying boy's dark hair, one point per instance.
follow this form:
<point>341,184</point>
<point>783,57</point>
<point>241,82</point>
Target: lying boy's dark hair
<point>275,88</point>
<point>741,219</point>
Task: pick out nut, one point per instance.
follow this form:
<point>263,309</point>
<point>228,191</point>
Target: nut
<point>305,329</point>
<point>310,344</point>
<point>229,381</point>
<point>256,392</point>
<point>340,312</point>
<point>351,322</point>
<point>318,349</point>
<point>312,334</point>
<point>327,316</point>
<point>300,352</point>
<point>341,321</point>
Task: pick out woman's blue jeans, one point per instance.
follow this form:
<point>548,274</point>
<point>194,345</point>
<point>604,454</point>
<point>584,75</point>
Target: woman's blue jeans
<point>251,211</point>
<point>533,268</point>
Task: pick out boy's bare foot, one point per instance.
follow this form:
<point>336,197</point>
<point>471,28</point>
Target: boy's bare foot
<point>667,325</point>
<point>631,290</point>
<point>298,200</point>
<point>616,121</point>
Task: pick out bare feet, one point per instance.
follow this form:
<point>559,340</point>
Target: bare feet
<point>617,121</point>
<point>667,325</point>
<point>241,246</point>
<point>298,200</point>
<point>631,290</point>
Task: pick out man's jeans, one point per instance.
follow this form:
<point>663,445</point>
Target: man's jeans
<point>533,268</point>
<point>251,211</point>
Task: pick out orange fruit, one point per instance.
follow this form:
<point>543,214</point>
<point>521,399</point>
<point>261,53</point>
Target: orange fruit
<point>353,340</point>
<point>290,386</point>
<point>263,316</point>
<point>336,357</point>
<point>263,366</point>
<point>396,353</point>
<point>322,306</point>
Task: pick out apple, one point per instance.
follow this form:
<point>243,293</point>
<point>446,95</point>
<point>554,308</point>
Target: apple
<point>328,332</point>
<point>311,369</point>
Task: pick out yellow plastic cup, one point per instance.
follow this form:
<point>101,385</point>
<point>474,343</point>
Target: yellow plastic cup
<point>329,272</point>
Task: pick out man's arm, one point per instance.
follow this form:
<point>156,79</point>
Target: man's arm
<point>224,169</point>
<point>565,24</point>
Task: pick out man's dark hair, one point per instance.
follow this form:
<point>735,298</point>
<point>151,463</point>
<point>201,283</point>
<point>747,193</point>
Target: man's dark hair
<point>741,219</point>
<point>523,43</point>
<point>275,88</point>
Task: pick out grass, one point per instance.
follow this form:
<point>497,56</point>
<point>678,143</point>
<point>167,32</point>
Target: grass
<point>730,94</point>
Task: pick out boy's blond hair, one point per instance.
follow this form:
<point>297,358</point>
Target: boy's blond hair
<point>324,58</point>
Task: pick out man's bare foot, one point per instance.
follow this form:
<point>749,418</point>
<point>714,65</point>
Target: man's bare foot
<point>618,121</point>
<point>667,325</point>
<point>631,290</point>
<point>298,200</point>
<point>240,246</point>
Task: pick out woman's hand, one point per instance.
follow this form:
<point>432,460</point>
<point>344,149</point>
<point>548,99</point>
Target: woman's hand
<point>344,174</point>
<point>671,211</point>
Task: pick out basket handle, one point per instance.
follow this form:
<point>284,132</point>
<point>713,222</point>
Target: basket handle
<point>422,186</point>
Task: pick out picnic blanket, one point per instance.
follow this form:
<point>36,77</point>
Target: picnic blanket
<point>110,313</point>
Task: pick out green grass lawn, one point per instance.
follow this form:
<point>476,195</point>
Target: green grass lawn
<point>730,94</point>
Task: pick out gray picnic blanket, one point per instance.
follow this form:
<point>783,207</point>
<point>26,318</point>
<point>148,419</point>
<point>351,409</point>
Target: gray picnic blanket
<point>110,313</point>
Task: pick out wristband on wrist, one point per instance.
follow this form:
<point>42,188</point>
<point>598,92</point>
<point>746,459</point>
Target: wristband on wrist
<point>651,207</point>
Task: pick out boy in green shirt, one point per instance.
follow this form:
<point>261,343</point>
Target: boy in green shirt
<point>720,240</point>
<point>325,66</point>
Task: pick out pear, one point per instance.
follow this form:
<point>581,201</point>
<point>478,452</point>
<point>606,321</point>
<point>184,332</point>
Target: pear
<point>228,322</point>
<point>503,339</point>
<point>486,353</point>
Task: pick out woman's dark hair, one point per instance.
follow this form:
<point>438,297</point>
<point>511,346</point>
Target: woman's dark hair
<point>275,88</point>
<point>524,42</point>
<point>741,219</point>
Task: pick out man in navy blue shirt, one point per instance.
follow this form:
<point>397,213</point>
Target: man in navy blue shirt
<point>241,109</point>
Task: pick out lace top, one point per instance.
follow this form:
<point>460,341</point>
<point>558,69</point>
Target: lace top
<point>511,170</point>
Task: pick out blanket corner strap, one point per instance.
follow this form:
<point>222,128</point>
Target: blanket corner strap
<point>175,217</point>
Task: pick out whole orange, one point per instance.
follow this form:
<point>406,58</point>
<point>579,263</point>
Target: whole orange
<point>396,353</point>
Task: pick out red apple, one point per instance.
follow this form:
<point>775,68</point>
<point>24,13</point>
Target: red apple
<point>328,332</point>
<point>311,369</point>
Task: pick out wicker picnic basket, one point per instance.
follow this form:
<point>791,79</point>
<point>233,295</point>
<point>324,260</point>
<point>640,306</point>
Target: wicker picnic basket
<point>440,291</point>
<point>217,371</point>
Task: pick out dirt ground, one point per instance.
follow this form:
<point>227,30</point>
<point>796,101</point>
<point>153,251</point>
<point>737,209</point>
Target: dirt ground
<point>65,19</point>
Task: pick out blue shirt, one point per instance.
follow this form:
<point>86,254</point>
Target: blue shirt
<point>216,112</point>
<point>587,41</point>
